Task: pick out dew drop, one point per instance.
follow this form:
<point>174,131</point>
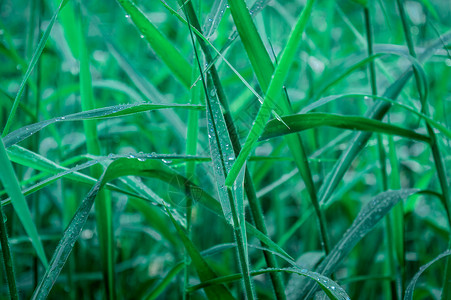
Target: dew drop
<point>127,16</point>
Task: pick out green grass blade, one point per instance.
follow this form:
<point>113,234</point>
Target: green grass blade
<point>6,249</point>
<point>165,281</point>
<point>203,269</point>
<point>272,93</point>
<point>30,68</point>
<point>411,287</point>
<point>263,67</point>
<point>214,17</point>
<point>436,151</point>
<point>222,155</point>
<point>377,111</point>
<point>93,114</point>
<point>103,200</point>
<point>312,120</point>
<point>12,187</point>
<point>66,244</point>
<point>331,288</point>
<point>440,127</point>
<point>367,219</point>
<point>165,50</point>
<point>143,85</point>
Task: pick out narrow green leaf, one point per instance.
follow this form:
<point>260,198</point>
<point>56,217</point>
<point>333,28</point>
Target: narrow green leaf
<point>94,114</point>
<point>214,17</point>
<point>368,217</point>
<point>411,287</point>
<point>163,284</point>
<point>6,249</point>
<point>12,187</point>
<point>222,154</point>
<point>203,269</point>
<point>377,112</point>
<point>331,98</point>
<point>331,288</point>
<point>164,49</point>
<point>30,68</point>
<point>272,93</point>
<point>312,120</point>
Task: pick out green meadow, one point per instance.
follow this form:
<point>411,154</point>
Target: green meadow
<point>222,149</point>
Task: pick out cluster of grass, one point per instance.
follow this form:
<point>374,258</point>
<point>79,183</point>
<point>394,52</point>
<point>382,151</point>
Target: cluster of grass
<point>225,149</point>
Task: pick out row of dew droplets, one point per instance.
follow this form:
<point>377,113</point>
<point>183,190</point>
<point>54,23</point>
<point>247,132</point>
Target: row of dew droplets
<point>217,132</point>
<point>214,17</point>
<point>323,281</point>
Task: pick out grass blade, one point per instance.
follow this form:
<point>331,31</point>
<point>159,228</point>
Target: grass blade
<point>214,17</point>
<point>272,93</point>
<point>103,200</point>
<point>222,154</point>
<point>312,120</point>
<point>30,68</point>
<point>168,53</point>
<point>6,250</point>
<point>377,111</point>
<point>367,219</point>
<point>12,187</point>
<point>411,287</point>
<point>331,288</point>
<point>203,269</point>
<point>93,114</point>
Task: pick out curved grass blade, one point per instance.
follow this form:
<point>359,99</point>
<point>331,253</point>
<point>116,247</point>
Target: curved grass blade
<point>31,66</point>
<point>165,50</point>
<point>272,93</point>
<point>159,288</point>
<point>165,281</point>
<point>411,287</point>
<point>12,187</point>
<point>367,219</point>
<point>370,60</point>
<point>263,68</point>
<point>103,207</point>
<point>135,167</point>
<point>143,85</point>
<point>331,288</point>
<point>118,168</point>
<point>6,250</point>
<point>203,269</point>
<point>222,154</point>
<point>94,114</point>
<point>442,128</point>
<point>312,120</point>
<point>214,17</point>
<point>377,112</point>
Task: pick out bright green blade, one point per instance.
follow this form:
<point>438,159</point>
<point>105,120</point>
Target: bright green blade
<point>161,44</point>
<point>272,93</point>
<point>12,187</point>
<point>312,120</point>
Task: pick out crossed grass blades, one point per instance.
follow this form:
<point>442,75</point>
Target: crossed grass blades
<point>225,149</point>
